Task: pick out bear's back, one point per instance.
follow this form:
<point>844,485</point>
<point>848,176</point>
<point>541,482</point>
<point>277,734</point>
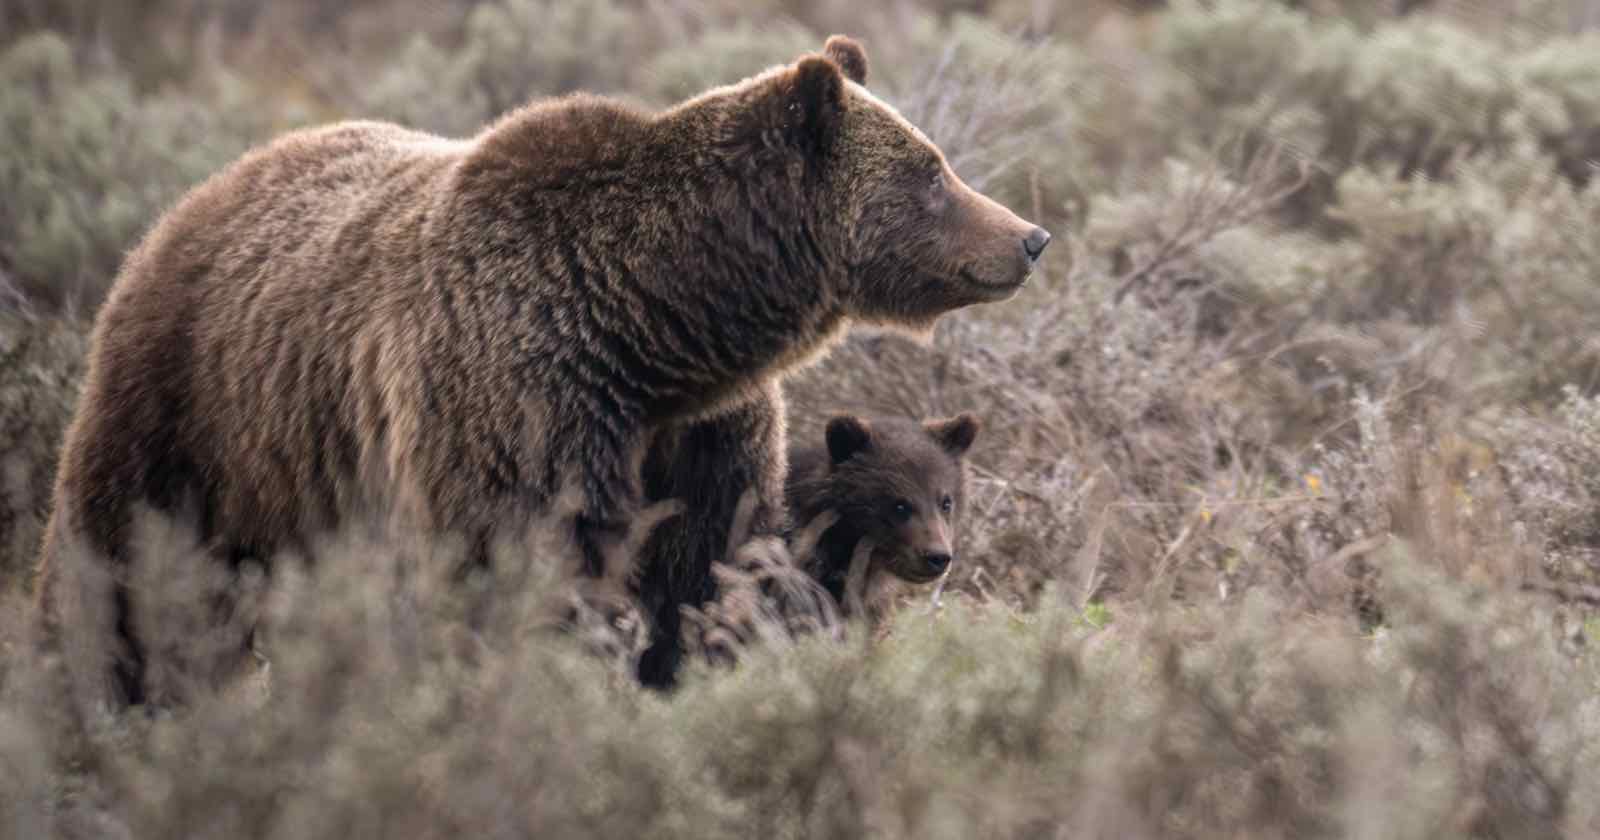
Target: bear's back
<point>235,329</point>
<point>291,208</point>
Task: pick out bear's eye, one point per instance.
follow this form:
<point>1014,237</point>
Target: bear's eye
<point>947,504</point>
<point>902,510</point>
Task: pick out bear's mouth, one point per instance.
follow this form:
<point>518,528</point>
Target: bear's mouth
<point>998,291</point>
<point>906,566</point>
<point>914,572</point>
<point>921,577</point>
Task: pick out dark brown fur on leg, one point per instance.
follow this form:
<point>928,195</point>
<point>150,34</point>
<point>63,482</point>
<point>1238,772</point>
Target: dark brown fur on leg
<point>708,465</point>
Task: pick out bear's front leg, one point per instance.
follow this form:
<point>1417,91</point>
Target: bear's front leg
<point>611,501</point>
<point>707,465</point>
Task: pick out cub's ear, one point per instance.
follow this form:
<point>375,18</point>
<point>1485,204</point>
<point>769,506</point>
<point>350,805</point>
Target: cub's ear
<point>955,434</point>
<point>848,54</point>
<point>847,436</point>
<point>814,102</point>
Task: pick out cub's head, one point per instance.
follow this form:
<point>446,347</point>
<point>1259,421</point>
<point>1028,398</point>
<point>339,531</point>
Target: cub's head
<point>903,485</point>
<point>900,238</point>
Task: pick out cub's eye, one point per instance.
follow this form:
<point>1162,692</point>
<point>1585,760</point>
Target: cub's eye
<point>947,504</point>
<point>902,510</point>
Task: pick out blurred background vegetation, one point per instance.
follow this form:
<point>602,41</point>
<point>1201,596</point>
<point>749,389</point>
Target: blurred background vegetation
<point>1285,513</point>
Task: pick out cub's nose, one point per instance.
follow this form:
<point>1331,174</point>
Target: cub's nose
<point>1035,241</point>
<point>937,561</point>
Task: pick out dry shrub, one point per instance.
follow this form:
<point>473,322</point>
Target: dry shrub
<point>764,595</point>
<point>1550,468</point>
<point>721,55</point>
<point>362,687</point>
<point>1415,94</point>
<point>1227,423</point>
<point>381,713</point>
<point>41,361</point>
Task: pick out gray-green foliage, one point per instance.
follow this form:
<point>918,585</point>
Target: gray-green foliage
<point>511,52</point>
<point>720,56</point>
<point>1411,95</point>
<point>1505,244</point>
<point>379,716</point>
<point>1568,121</point>
<point>41,361</point>
<point>87,162</point>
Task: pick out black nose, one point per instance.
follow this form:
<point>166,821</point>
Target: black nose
<point>937,561</point>
<point>1035,241</point>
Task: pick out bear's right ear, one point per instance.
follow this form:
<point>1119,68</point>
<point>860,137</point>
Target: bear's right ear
<point>847,436</point>
<point>848,54</point>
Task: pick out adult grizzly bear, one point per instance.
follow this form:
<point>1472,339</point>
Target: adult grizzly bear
<point>365,316</point>
<point>900,483</point>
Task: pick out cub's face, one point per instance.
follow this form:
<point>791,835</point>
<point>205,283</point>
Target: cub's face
<point>901,484</point>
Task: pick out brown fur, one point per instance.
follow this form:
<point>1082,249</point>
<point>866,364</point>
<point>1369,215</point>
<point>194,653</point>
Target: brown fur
<point>865,472</point>
<point>850,57</point>
<point>364,316</point>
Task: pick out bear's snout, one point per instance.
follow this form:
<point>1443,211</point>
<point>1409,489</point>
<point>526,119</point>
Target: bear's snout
<point>937,561</point>
<point>1033,244</point>
<point>1001,250</point>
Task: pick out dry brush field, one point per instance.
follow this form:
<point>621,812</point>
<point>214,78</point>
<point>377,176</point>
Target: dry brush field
<point>1285,518</point>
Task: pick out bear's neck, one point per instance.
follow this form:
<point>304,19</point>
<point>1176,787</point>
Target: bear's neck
<point>743,292</point>
<point>693,280</point>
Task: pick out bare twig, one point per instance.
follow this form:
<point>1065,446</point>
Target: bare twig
<point>1583,593</point>
<point>1216,204</point>
<point>855,587</point>
<point>1359,547</point>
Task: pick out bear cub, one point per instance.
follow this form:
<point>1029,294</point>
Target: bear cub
<point>901,483</point>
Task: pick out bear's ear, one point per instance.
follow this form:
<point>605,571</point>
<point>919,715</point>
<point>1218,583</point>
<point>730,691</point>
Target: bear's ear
<point>955,434</point>
<point>848,54</point>
<point>847,436</point>
<point>815,101</point>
